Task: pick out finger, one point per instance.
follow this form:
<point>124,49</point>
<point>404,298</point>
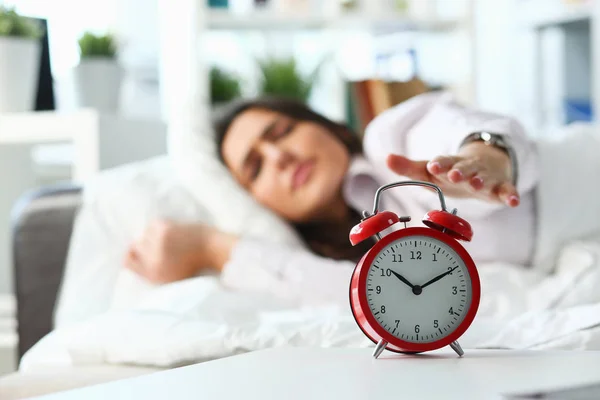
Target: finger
<point>484,181</point>
<point>441,164</point>
<point>133,260</point>
<point>464,170</point>
<point>477,182</point>
<point>507,193</point>
<point>407,167</point>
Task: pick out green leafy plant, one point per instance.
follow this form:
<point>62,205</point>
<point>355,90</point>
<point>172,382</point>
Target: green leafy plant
<point>91,45</point>
<point>224,87</point>
<point>14,25</point>
<point>282,78</point>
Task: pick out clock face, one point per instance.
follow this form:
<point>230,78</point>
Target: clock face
<point>419,289</point>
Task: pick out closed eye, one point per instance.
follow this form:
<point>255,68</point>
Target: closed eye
<point>283,130</point>
<point>255,167</point>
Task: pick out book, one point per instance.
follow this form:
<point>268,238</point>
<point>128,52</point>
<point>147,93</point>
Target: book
<point>369,98</point>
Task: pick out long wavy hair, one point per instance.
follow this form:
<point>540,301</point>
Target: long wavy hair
<point>323,238</point>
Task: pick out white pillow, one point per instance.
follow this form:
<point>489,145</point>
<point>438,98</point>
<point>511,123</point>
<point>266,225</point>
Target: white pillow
<point>189,185</point>
<point>194,155</point>
<point>117,205</point>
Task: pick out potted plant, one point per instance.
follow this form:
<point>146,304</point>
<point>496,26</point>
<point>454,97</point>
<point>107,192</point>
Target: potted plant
<point>98,76</point>
<point>224,87</point>
<point>20,53</point>
<point>281,78</point>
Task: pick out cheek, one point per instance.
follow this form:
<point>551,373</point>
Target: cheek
<point>273,194</point>
<point>267,190</point>
<point>334,155</point>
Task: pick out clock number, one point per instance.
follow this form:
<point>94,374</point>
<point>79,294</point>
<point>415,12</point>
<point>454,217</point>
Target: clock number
<point>397,323</point>
<point>383,309</point>
<point>435,323</point>
<point>450,269</point>
<point>378,289</point>
<point>387,272</point>
<point>454,290</point>
<point>451,311</point>
<point>434,257</point>
<point>417,329</point>
<point>412,255</point>
<point>397,258</point>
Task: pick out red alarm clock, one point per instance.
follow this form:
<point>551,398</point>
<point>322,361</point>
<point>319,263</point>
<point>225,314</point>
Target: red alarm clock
<point>417,289</point>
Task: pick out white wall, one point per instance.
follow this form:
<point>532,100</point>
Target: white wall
<point>507,63</point>
<point>494,47</point>
<point>136,24</point>
<point>527,70</point>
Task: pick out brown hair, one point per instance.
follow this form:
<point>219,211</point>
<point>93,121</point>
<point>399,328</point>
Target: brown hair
<point>325,239</point>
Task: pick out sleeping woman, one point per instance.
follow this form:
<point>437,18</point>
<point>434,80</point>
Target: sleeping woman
<point>318,176</point>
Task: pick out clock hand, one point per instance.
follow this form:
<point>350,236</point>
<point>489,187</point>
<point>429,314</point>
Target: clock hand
<point>403,279</point>
<point>437,278</point>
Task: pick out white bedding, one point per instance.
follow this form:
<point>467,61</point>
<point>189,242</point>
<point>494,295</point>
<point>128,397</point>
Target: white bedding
<point>555,305</point>
<point>198,320</point>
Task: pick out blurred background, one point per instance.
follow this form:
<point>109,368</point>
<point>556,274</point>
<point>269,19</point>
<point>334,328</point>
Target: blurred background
<point>87,85</point>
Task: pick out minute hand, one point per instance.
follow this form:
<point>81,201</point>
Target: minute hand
<point>437,278</point>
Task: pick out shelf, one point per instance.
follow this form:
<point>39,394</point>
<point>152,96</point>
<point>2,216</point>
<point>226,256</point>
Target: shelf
<point>544,13</point>
<point>264,20</point>
<point>225,20</point>
<point>391,23</point>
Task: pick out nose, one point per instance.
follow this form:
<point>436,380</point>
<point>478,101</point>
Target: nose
<point>280,157</point>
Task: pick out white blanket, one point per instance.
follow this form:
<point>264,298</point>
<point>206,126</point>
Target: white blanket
<point>198,320</point>
<point>556,305</point>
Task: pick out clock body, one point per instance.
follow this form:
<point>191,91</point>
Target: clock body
<point>417,288</point>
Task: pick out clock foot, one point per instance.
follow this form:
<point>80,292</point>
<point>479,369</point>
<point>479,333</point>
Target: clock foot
<point>456,347</point>
<point>379,348</point>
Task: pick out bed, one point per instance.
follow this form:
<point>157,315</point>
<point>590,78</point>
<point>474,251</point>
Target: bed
<point>150,328</point>
<point>198,320</point>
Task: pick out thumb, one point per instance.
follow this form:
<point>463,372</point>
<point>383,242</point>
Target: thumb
<point>407,167</point>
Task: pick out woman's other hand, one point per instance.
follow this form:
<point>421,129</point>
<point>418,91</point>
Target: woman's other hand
<point>168,251</point>
<point>477,171</point>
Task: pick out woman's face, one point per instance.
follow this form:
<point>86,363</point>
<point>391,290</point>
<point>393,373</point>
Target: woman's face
<point>295,168</point>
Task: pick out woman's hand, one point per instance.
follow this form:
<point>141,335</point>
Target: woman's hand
<point>477,171</point>
<point>170,251</point>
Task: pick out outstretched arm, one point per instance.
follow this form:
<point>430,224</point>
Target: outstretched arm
<point>421,138</point>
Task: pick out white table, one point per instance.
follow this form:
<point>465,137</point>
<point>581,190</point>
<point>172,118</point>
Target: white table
<point>296,373</point>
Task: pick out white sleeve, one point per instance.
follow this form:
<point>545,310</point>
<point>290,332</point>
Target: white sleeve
<point>469,121</point>
<point>433,124</point>
<point>291,273</point>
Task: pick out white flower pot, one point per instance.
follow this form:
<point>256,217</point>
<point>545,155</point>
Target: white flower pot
<point>98,84</point>
<point>19,70</point>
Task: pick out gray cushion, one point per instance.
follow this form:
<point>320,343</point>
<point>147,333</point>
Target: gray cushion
<point>42,226</point>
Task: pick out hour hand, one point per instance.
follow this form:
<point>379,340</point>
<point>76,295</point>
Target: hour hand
<point>403,279</point>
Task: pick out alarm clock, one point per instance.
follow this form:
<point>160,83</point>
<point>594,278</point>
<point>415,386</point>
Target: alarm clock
<point>417,289</point>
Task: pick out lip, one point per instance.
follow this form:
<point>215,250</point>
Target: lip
<point>302,174</point>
